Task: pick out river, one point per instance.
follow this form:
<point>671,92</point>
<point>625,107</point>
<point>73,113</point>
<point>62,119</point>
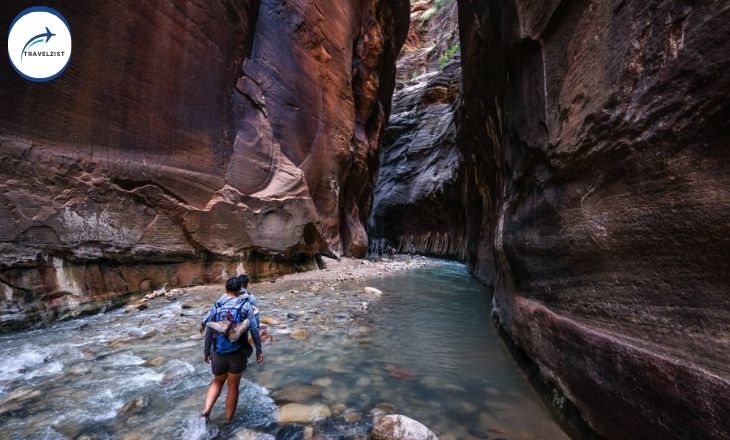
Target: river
<point>425,349</point>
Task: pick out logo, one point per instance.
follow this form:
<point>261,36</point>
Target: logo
<point>39,44</point>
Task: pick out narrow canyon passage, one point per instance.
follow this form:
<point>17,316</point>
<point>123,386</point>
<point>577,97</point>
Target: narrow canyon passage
<point>572,154</point>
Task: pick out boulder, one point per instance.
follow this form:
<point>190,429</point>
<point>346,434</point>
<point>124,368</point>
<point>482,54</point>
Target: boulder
<point>400,427</point>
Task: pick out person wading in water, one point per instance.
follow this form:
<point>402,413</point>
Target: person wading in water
<point>228,355</point>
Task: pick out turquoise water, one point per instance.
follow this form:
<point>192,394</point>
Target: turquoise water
<point>426,349</point>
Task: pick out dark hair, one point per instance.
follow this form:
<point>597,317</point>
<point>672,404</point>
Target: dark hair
<point>233,285</point>
<point>243,278</point>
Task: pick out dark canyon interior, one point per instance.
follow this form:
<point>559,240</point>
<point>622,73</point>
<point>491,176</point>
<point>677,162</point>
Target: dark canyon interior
<point>573,153</point>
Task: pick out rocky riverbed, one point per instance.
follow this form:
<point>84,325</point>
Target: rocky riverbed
<point>345,347</point>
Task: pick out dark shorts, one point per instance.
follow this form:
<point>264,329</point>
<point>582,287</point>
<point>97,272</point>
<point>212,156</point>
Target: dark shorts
<point>234,363</point>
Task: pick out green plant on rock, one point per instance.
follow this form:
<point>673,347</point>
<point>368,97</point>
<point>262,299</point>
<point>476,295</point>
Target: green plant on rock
<point>446,56</point>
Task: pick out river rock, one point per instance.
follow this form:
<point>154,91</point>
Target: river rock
<point>20,395</point>
<point>137,436</point>
<point>400,373</point>
<point>351,416</point>
<point>297,393</point>
<point>339,408</point>
<point>299,413</point>
<point>268,320</point>
<point>155,361</point>
<point>323,381</point>
<point>79,369</point>
<point>135,405</point>
<point>299,334</point>
<point>373,291</point>
<point>400,427</point>
<point>250,434</point>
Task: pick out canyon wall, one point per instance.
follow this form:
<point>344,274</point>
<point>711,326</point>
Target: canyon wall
<point>417,203</point>
<point>595,136</point>
<point>189,140</point>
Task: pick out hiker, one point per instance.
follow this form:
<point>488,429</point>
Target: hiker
<point>227,355</point>
<point>246,295</point>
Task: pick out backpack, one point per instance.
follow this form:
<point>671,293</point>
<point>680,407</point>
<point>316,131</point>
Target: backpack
<point>228,310</point>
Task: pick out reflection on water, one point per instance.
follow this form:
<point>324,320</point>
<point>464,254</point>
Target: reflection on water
<point>426,349</point>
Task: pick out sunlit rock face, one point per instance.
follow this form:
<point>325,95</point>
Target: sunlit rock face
<point>417,205</point>
<point>597,201</point>
<point>188,140</point>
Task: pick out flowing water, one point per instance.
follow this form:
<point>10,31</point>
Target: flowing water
<point>426,349</point>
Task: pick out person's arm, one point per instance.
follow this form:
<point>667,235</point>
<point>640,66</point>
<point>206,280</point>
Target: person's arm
<point>208,317</point>
<point>208,344</point>
<point>254,328</point>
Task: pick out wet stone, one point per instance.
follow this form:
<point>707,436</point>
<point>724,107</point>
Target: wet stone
<point>155,361</point>
<point>250,434</point>
<point>297,393</point>
<point>135,405</point>
<point>400,427</point>
<point>323,382</point>
<point>299,334</point>
<point>298,413</point>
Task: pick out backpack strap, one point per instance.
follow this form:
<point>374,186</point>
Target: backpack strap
<point>239,306</point>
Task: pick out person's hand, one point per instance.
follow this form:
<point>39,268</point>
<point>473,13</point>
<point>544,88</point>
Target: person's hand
<point>207,359</point>
<point>202,328</point>
<point>259,357</point>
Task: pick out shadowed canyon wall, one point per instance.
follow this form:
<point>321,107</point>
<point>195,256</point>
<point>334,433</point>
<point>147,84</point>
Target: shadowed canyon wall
<point>188,140</point>
<point>595,136</point>
<point>418,203</point>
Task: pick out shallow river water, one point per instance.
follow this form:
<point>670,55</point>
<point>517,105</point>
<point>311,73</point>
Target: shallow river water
<point>425,349</point>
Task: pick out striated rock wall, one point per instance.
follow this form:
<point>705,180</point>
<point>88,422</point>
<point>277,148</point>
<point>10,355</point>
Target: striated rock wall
<point>188,140</point>
<point>417,203</point>
<point>596,142</point>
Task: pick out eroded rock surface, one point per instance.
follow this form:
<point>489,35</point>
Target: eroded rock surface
<point>229,135</point>
<point>597,203</point>
<point>417,202</point>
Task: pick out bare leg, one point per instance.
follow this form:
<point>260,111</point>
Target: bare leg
<point>232,395</point>
<point>213,392</point>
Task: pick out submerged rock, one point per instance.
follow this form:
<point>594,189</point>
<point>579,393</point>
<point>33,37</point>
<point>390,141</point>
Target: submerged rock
<point>297,393</point>
<point>250,434</point>
<point>299,413</point>
<point>400,427</point>
<point>299,334</point>
<point>373,291</point>
<point>135,405</point>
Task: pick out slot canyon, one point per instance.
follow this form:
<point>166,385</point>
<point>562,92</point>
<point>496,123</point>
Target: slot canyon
<point>571,154</point>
